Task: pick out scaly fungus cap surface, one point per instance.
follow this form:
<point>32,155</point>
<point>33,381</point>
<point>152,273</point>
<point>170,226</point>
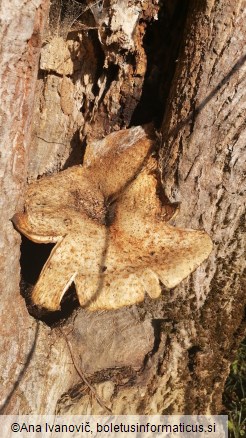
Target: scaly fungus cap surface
<point>107,221</point>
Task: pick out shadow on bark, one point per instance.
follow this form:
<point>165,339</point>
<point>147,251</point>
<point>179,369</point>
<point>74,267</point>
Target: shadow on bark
<point>21,373</point>
<point>174,131</point>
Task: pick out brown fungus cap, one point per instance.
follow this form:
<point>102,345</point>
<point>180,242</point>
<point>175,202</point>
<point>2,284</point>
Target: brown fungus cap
<point>107,221</point>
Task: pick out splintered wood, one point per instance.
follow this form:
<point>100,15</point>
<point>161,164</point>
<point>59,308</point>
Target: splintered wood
<point>108,224</point>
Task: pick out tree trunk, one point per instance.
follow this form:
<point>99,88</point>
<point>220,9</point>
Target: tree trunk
<point>95,76</point>
<point>25,344</point>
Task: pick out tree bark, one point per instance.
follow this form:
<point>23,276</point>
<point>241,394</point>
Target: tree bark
<point>25,344</point>
<point>202,160</point>
<point>171,355</point>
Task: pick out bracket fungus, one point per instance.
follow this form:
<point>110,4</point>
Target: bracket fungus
<point>108,223</point>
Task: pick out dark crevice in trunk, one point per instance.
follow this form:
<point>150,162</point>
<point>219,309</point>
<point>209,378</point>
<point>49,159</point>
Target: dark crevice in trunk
<point>33,258</point>
<point>161,42</point>
<point>77,151</point>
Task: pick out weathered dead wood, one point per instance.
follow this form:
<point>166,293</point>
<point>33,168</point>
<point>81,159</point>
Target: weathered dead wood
<point>179,347</point>
<point>26,348</point>
<point>90,81</point>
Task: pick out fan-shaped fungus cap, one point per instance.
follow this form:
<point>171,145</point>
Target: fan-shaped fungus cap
<point>113,263</point>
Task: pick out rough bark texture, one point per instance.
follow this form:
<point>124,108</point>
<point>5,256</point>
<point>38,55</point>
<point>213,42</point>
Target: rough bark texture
<point>203,158</point>
<point>90,83</point>
<point>26,347</point>
<point>176,350</point>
